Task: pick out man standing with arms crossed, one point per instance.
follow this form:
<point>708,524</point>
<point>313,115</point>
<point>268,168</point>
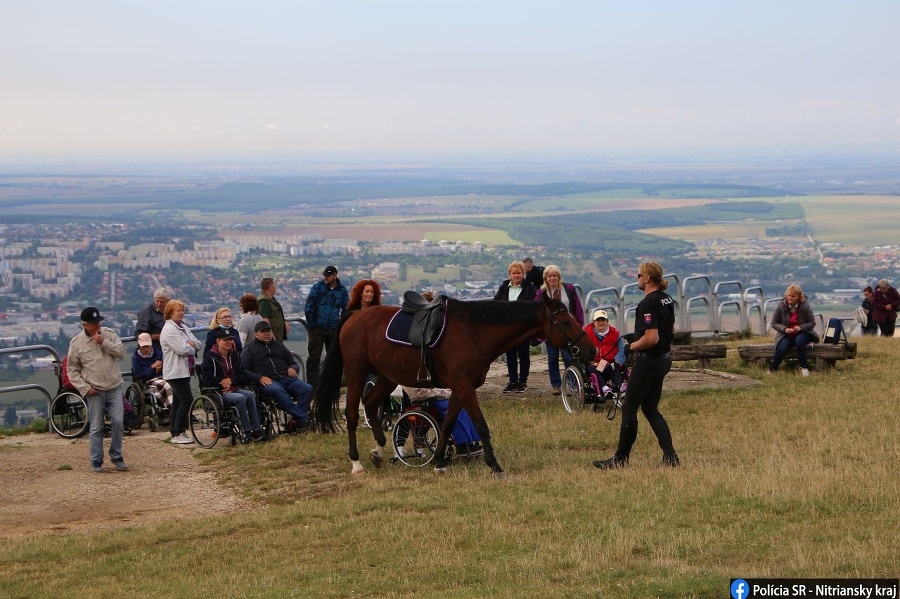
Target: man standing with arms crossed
<point>93,370</point>
<point>326,303</point>
<point>654,327</point>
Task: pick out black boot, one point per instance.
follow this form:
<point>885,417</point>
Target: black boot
<point>612,463</point>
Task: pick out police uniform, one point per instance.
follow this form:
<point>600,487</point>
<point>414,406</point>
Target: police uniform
<point>655,311</point>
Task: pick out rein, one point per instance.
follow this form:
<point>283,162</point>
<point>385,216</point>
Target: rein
<point>573,349</point>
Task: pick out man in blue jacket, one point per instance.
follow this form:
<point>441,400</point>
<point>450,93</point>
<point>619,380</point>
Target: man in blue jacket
<point>324,307</point>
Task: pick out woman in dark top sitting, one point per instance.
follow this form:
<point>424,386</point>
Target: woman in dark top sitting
<point>793,323</point>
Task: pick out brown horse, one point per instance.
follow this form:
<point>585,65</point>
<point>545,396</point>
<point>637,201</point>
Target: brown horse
<point>476,333</point>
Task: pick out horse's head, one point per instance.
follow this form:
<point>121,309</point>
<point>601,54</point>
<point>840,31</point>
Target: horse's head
<point>566,333</point>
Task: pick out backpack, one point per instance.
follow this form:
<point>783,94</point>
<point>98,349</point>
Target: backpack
<point>860,316</point>
<point>834,332</point>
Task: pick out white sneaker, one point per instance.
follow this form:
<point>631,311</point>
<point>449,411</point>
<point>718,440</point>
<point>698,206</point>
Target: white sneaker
<point>804,372</point>
<point>401,452</point>
<point>181,439</point>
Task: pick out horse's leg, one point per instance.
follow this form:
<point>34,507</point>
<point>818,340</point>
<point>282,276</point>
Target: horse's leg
<point>376,397</point>
<point>474,411</point>
<point>440,464</point>
<point>352,415</point>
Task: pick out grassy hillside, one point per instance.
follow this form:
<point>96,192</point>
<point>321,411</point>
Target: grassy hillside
<point>793,478</point>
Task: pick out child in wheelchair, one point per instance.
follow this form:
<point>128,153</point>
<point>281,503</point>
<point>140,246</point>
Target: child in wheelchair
<point>609,365</point>
<point>146,369</point>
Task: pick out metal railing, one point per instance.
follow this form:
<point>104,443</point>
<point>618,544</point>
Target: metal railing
<point>34,386</point>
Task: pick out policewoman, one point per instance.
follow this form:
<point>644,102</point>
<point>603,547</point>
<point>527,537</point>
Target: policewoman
<point>654,328</point>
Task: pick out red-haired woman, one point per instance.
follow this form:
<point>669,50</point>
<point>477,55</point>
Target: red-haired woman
<point>366,292</point>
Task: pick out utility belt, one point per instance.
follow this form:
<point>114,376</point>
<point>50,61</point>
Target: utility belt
<point>643,354</point>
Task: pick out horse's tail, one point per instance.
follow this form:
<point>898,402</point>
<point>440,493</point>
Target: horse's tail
<point>327,393</point>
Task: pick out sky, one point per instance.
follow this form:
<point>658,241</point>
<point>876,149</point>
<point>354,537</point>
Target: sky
<point>196,78</point>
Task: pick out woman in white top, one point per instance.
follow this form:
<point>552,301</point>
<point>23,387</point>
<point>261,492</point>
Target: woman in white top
<point>179,348</point>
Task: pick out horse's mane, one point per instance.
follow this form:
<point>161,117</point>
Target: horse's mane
<point>490,311</point>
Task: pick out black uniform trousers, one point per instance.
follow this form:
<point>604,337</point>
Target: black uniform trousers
<point>644,392</point>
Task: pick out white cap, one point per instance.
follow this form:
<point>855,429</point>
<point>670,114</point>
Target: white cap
<point>144,340</point>
<point>600,314</point>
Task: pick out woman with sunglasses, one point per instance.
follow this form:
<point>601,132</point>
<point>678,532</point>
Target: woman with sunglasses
<point>222,320</point>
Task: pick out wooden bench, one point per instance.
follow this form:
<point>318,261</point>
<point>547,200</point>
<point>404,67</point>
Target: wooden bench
<point>824,354</point>
<point>703,352</point>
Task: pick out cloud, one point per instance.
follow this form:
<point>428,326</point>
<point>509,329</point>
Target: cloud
<point>270,127</point>
<point>168,128</point>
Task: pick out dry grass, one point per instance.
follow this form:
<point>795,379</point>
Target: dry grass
<point>794,478</point>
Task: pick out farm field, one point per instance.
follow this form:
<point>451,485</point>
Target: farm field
<point>857,220</point>
<point>861,220</point>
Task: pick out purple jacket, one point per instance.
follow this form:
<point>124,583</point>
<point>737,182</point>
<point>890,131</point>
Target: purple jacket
<point>574,301</point>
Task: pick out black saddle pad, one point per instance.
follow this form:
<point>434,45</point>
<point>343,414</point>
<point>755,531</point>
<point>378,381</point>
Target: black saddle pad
<point>398,329</point>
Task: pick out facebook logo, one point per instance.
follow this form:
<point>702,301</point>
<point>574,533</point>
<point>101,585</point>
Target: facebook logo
<point>740,589</point>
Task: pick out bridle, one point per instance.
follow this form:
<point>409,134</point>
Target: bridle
<point>574,350</point>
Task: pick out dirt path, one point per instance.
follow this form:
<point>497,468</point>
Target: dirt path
<point>40,494</point>
<point>46,484</point>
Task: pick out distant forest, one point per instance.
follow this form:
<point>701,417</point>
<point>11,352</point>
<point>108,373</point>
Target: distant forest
<point>251,197</point>
<point>615,233</point>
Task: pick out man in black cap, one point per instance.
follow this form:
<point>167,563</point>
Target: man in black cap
<point>93,369</point>
<point>269,363</point>
<point>324,307</point>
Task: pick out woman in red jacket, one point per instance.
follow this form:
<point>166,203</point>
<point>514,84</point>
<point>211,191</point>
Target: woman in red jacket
<point>610,350</point>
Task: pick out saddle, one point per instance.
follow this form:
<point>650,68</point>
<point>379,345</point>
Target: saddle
<point>426,328</point>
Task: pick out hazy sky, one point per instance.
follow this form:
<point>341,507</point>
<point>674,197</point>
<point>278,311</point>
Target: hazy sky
<point>134,77</point>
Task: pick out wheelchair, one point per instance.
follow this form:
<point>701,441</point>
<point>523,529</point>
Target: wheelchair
<point>581,388</point>
<point>69,416</point>
<point>389,411</point>
<point>415,432</point>
<point>148,404</point>
<point>210,419</point>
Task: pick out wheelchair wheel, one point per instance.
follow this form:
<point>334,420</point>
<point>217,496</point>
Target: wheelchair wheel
<point>232,423</point>
<point>135,396</point>
<point>69,415</point>
<point>205,421</point>
<point>268,416</point>
<point>388,412</point>
<point>572,390</point>
<point>415,438</point>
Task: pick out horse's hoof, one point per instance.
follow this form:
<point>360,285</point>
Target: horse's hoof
<point>440,471</point>
<point>357,468</point>
<point>376,458</point>
<point>499,475</point>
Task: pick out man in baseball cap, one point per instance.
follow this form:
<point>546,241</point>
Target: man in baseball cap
<point>93,369</point>
<point>324,308</point>
<point>269,363</point>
